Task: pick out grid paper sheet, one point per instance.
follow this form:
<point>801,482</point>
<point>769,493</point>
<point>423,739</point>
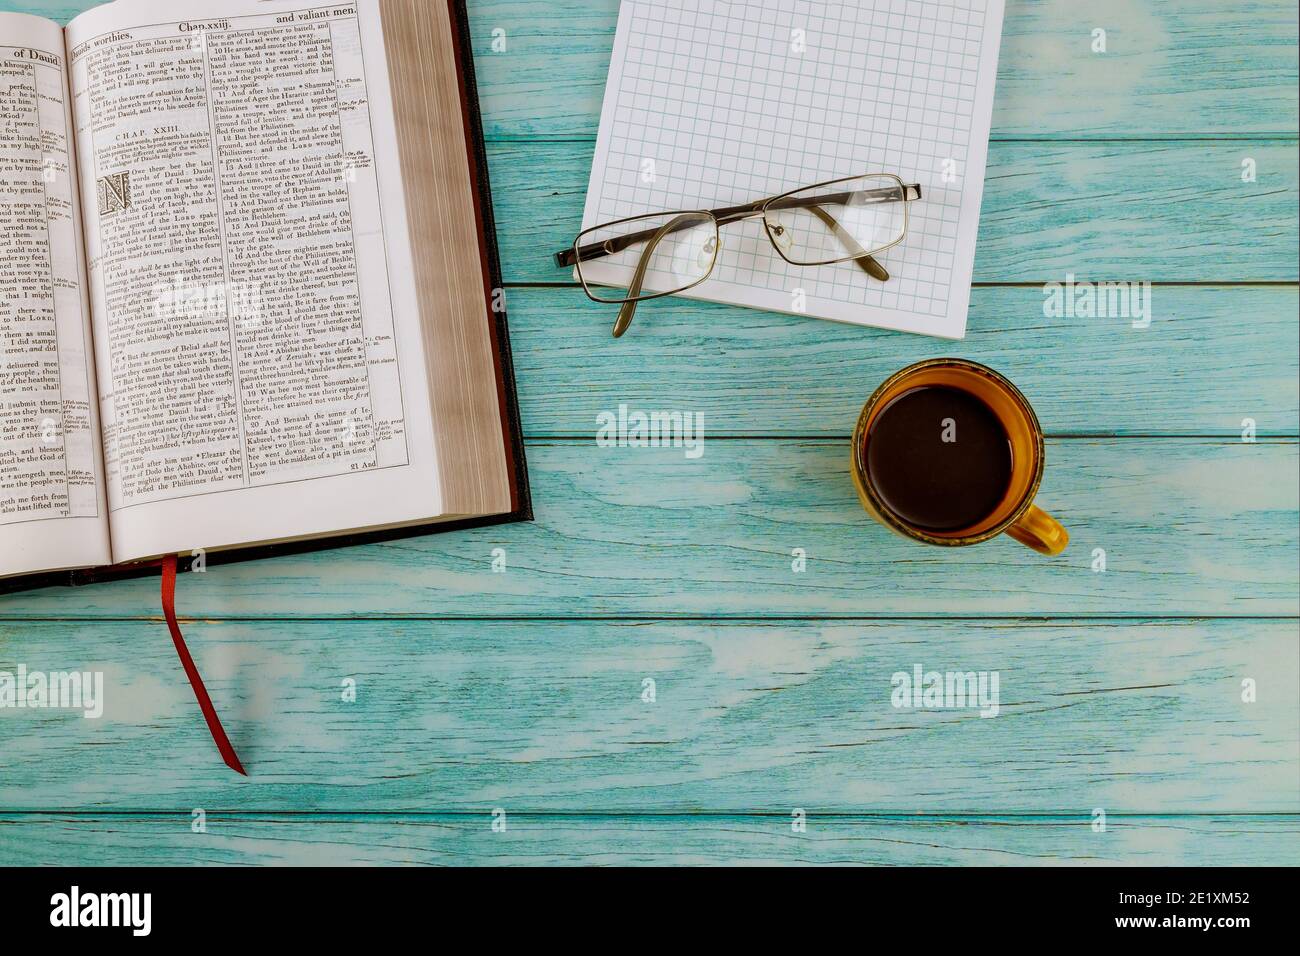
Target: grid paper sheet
<point>712,103</point>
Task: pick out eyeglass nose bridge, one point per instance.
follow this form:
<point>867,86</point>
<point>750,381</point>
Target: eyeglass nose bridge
<point>779,235</point>
<point>711,249</point>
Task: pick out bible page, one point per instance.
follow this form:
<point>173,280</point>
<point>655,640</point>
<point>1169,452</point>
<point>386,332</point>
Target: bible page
<point>52,510</point>
<point>260,358</point>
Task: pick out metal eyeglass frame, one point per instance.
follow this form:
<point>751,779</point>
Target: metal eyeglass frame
<point>726,215</point>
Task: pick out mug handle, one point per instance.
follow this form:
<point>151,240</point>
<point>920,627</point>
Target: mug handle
<point>1040,531</point>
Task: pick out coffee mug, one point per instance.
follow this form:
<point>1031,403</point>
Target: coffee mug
<point>948,452</point>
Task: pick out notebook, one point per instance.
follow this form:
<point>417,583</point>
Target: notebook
<point>249,290</point>
<point>712,103</point>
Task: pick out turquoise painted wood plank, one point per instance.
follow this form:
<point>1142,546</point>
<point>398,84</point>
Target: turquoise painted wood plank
<point>1196,66</point>
<point>647,841</point>
<point>1190,527</point>
<point>1211,358</point>
<point>1171,69</point>
<point>1132,212</point>
<point>1049,209</point>
<point>60,11</point>
<point>1144,717</point>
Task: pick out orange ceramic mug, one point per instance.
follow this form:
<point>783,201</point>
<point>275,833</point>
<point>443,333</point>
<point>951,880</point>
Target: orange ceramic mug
<point>1011,510</point>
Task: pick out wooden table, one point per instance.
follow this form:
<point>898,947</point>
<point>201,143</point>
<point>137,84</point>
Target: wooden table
<point>1121,689</point>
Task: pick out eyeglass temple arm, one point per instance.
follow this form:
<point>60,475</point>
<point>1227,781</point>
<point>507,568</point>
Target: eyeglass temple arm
<point>595,250</point>
<point>866,262</point>
<point>864,259</point>
<point>728,214</point>
<point>628,309</point>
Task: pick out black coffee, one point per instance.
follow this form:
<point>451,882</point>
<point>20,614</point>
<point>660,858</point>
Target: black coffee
<point>939,458</point>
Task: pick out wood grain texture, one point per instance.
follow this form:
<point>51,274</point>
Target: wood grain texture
<point>1192,67</point>
<point>1197,67</point>
<point>1210,358</point>
<point>452,840</point>
<point>60,11</point>
<point>1123,166</point>
<point>1165,212</point>
<point>1190,527</point>
<point>747,716</point>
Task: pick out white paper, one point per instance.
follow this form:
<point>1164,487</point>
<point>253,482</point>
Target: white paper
<point>290,398</point>
<point>712,104</point>
<point>52,508</point>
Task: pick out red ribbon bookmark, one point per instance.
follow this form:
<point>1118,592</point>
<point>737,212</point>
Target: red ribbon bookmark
<point>205,702</point>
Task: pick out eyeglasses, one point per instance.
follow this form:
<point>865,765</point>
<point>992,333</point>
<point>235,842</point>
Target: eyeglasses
<point>647,257</point>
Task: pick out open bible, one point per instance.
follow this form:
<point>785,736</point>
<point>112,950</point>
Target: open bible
<point>249,292</point>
